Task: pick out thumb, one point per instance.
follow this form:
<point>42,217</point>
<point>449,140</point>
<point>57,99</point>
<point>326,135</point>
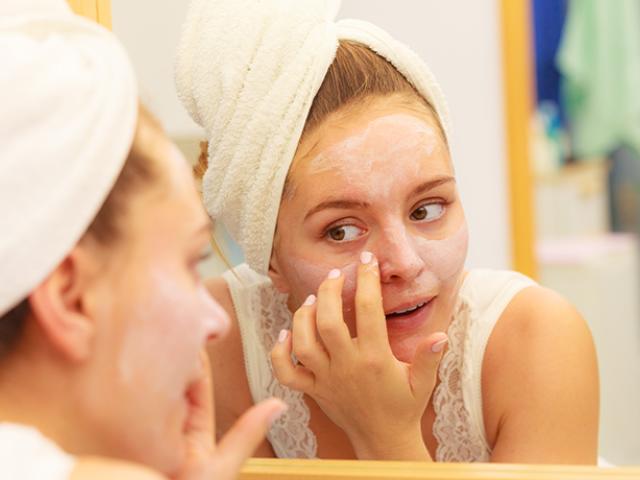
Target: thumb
<point>248,432</point>
<point>424,366</point>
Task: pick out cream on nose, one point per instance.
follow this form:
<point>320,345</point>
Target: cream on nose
<point>397,255</point>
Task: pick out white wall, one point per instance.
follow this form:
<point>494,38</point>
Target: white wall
<point>458,38</point>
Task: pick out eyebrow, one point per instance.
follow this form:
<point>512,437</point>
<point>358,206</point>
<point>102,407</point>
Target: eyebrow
<point>431,184</point>
<point>346,204</point>
<point>342,204</point>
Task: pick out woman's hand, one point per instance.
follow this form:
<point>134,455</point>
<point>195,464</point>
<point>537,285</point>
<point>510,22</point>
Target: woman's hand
<point>376,399</point>
<point>205,459</point>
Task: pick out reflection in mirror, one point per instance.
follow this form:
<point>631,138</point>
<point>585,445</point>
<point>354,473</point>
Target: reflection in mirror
<point>438,33</point>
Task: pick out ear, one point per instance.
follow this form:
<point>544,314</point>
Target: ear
<point>58,307</point>
<point>276,276</point>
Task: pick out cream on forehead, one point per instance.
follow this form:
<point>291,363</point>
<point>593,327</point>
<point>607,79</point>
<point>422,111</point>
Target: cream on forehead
<point>394,137</point>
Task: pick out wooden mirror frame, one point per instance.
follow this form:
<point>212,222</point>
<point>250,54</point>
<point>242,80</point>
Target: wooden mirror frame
<point>283,469</point>
<point>518,78</point>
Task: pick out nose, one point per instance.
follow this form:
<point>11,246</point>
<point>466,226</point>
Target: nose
<point>215,320</point>
<point>397,255</point>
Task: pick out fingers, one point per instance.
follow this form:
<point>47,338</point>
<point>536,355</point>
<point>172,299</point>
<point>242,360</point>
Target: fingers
<point>332,329</point>
<point>286,372</point>
<point>371,322</point>
<point>306,345</point>
<point>247,433</point>
<point>424,366</point>
<point>200,423</point>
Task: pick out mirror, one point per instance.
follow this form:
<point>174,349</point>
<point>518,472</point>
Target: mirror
<point>528,206</point>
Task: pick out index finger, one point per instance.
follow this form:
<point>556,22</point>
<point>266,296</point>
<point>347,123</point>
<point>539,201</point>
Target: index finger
<point>241,441</point>
<point>371,322</point>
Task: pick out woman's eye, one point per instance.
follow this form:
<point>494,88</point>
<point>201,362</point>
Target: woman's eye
<point>344,233</point>
<point>428,212</point>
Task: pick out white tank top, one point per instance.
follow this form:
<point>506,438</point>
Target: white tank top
<point>459,426</point>
<point>25,454</point>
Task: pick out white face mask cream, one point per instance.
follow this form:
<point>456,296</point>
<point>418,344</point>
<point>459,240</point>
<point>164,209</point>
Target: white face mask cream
<point>368,159</point>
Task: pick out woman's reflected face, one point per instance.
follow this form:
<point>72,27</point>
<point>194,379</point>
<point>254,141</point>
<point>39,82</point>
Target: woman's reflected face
<point>376,178</point>
<point>154,317</point>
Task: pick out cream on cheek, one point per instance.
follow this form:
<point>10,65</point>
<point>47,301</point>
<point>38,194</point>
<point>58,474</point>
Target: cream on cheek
<point>165,334</point>
<point>445,258</point>
<point>306,276</point>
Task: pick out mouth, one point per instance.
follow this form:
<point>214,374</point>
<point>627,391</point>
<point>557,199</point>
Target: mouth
<point>405,311</point>
<point>410,315</point>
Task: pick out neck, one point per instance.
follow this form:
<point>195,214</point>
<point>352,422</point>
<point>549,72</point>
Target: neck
<point>38,390</point>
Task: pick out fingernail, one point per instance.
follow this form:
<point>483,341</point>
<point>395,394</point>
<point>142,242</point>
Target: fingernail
<point>311,299</point>
<point>333,274</point>
<point>282,336</point>
<point>365,257</point>
<point>439,345</point>
<point>277,414</point>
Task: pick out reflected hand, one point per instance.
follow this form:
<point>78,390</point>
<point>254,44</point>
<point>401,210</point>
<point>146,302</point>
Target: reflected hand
<point>205,459</point>
<point>376,399</point>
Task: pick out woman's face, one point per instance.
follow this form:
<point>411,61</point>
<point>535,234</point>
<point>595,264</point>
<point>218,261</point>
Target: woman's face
<point>153,317</point>
<point>378,178</point>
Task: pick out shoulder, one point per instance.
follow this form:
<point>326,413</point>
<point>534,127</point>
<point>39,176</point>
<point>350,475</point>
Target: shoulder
<point>89,468</point>
<point>537,314</point>
<point>539,359</point>
<point>490,289</point>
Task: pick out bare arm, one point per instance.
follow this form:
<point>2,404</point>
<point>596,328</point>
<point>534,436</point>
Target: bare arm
<point>233,396</point>
<point>540,383</point>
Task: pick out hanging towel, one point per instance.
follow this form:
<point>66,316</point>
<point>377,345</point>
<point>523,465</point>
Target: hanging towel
<point>599,58</point>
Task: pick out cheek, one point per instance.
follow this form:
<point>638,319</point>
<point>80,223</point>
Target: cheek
<point>445,258</point>
<point>305,278</point>
<point>164,335</point>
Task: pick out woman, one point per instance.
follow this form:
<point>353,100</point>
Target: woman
<point>328,161</point>
<point>103,317</point>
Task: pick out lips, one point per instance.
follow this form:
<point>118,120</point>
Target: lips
<point>407,308</point>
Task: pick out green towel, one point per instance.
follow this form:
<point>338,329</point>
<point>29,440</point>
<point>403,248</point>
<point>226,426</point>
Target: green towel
<point>599,58</point>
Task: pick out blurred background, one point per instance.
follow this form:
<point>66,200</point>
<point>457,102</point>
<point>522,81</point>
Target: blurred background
<point>545,100</point>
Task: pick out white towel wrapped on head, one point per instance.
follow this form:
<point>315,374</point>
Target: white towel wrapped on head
<point>247,72</point>
<point>69,109</point>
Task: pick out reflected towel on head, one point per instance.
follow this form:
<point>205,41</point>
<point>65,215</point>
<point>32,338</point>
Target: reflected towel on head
<point>69,111</point>
<point>247,72</point>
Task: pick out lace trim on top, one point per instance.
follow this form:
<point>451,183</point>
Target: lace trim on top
<point>290,435</point>
<point>457,440</point>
